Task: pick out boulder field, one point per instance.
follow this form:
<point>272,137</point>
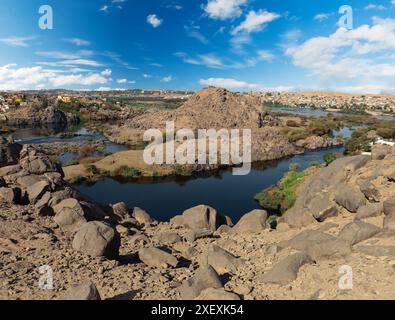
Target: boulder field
<point>344,216</point>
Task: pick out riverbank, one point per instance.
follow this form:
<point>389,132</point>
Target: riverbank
<point>115,252</point>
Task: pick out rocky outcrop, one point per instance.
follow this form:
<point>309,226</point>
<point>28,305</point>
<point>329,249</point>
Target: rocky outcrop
<point>200,217</point>
<point>316,142</point>
<point>205,278</point>
<point>324,190</point>
<point>9,152</point>
<point>33,116</point>
<point>86,291</point>
<point>253,222</point>
<point>157,258</point>
<point>97,239</point>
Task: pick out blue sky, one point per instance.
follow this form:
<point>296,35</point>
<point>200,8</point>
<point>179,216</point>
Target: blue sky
<point>183,44</point>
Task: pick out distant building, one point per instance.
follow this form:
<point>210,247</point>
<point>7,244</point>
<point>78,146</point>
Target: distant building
<point>65,99</point>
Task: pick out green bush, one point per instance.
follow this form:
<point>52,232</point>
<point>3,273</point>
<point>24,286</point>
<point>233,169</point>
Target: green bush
<point>183,170</point>
<point>126,172</point>
<point>282,196</point>
<point>329,157</point>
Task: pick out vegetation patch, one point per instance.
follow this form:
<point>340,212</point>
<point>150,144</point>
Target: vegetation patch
<point>126,172</point>
<point>279,198</point>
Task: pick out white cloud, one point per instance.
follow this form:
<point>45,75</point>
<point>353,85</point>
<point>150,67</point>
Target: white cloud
<point>121,81</point>
<point>71,63</point>
<point>64,54</point>
<point>153,20</point>
<point>375,7</point>
<point>104,8</point>
<point>255,21</point>
<point>77,41</point>
<point>167,79</point>
<point>106,72</point>
<point>209,60</point>
<point>147,76</point>
<point>322,16</point>
<point>265,55</point>
<point>194,32</point>
<point>227,83</point>
<point>14,78</point>
<point>360,53</point>
<point>77,79</point>
<point>224,9</point>
<point>17,41</point>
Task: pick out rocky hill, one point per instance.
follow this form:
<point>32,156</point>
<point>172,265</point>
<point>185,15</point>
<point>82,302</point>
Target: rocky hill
<point>115,252</point>
<point>212,108</point>
<point>34,116</point>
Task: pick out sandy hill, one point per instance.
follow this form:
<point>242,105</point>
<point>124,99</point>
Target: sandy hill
<point>211,108</point>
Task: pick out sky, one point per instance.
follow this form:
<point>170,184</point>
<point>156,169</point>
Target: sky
<point>242,45</point>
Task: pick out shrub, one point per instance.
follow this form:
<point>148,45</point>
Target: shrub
<point>329,157</point>
<point>183,170</point>
<point>126,172</point>
<point>282,196</point>
<point>91,168</point>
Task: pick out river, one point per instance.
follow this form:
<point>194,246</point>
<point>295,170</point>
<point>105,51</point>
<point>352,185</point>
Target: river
<point>164,198</point>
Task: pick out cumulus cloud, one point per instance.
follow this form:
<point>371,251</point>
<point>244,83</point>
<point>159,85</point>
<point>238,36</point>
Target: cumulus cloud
<point>224,9</point>
<point>360,52</point>
<point>255,21</point>
<point>153,20</point>
<point>14,78</point>
<point>227,83</point>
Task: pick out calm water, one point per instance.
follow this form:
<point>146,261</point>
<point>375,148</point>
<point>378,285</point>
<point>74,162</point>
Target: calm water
<point>320,113</point>
<point>41,135</point>
<point>230,195</point>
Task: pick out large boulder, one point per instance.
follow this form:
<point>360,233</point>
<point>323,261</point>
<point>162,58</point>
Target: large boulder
<point>205,277</point>
<point>157,258</point>
<point>142,217</point>
<point>369,210</point>
<point>286,270</point>
<point>349,198</point>
<point>221,260</point>
<point>10,195</point>
<point>97,239</point>
<point>306,239</point>
<point>379,151</point>
<point>358,231</point>
<point>9,152</point>
<point>121,210</point>
<point>370,191</point>
<point>322,208</point>
<point>37,190</point>
<point>389,211</point>
<point>331,249</point>
<point>84,291</point>
<point>168,238</point>
<point>200,217</point>
<point>328,179</point>
<point>253,222</point>
<point>34,162</point>
<point>69,215</point>
<point>389,206</point>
